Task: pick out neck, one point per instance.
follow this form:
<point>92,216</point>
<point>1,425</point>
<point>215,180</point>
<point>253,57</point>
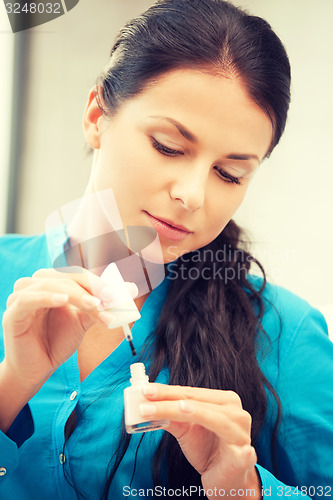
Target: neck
<point>96,233</point>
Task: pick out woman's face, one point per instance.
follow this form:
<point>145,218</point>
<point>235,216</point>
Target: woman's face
<point>181,153</point>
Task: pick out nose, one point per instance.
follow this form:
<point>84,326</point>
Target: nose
<point>189,187</point>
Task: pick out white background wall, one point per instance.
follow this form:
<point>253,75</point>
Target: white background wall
<point>6,65</point>
<point>288,210</point>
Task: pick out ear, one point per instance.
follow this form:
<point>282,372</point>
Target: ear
<point>92,120</point>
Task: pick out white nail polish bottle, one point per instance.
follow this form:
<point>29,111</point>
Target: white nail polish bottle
<point>133,397</point>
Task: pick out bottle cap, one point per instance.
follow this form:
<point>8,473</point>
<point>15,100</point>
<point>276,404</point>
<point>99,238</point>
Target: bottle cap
<point>123,308</point>
<point>138,374</point>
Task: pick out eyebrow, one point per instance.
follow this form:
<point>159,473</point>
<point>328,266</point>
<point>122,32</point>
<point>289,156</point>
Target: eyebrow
<point>182,130</point>
<point>191,138</point>
<point>237,156</point>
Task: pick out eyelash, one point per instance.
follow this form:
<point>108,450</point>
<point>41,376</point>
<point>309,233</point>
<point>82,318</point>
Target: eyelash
<point>164,150</point>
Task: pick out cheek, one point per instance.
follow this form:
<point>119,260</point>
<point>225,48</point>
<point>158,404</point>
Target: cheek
<point>133,164</point>
<point>219,213</point>
<point>225,202</point>
<point>118,167</point>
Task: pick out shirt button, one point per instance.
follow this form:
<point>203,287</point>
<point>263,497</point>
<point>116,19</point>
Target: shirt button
<point>73,395</point>
<point>62,458</point>
<point>3,471</point>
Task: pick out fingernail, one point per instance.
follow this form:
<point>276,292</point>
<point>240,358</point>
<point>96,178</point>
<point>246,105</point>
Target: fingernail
<point>147,409</point>
<point>107,294</point>
<point>185,406</point>
<point>106,318</point>
<point>59,298</point>
<point>90,301</point>
<point>149,390</point>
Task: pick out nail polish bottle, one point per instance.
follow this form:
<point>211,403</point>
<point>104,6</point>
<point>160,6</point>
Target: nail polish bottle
<point>133,397</point>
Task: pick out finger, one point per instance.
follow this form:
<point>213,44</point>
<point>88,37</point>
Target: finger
<point>82,277</point>
<point>22,283</point>
<point>78,296</point>
<point>85,278</point>
<point>92,283</point>
<point>234,413</point>
<point>177,429</point>
<point>25,303</point>
<point>203,414</point>
<point>21,305</point>
<point>155,391</point>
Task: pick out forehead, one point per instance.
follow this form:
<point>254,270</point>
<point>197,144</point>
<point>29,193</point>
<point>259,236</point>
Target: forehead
<point>214,108</point>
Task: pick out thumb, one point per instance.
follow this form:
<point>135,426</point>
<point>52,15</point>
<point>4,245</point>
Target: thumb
<point>86,320</point>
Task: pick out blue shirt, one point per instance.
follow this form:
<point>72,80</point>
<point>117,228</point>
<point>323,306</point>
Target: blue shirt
<point>36,462</point>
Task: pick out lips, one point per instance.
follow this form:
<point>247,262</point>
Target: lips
<point>168,228</point>
<point>171,224</point>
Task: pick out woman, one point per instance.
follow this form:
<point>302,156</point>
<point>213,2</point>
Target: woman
<point>194,98</point>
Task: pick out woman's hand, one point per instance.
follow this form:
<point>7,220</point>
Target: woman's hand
<point>213,432</point>
<point>46,319</point>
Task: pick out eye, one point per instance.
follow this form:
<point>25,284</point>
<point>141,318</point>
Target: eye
<point>227,177</point>
<point>164,150</point>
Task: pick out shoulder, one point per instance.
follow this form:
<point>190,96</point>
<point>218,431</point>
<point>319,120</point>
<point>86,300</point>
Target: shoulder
<point>13,243</point>
<point>20,256</point>
<point>281,306</point>
<point>16,249</point>
<point>291,326</point>
<point>284,298</point>
<point>295,354</point>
